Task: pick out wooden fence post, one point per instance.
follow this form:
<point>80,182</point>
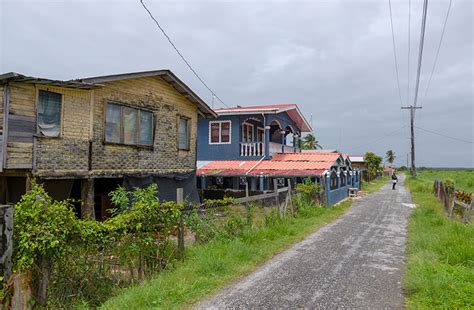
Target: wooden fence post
<point>451,205</point>
<point>180,200</point>
<point>6,240</point>
<point>467,212</point>
<point>277,200</point>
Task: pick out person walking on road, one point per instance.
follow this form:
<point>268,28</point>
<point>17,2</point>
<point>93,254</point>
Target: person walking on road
<point>394,180</point>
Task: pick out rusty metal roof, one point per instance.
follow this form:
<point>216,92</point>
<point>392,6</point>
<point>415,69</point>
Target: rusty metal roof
<point>17,77</point>
<point>282,164</point>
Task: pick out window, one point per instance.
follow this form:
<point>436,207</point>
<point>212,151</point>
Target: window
<point>343,178</point>
<point>247,132</point>
<point>219,132</point>
<point>183,133</point>
<point>129,126</point>
<point>49,113</point>
<point>333,180</point>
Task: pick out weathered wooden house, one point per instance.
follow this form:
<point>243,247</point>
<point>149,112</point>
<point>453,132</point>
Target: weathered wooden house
<point>257,145</point>
<point>83,138</point>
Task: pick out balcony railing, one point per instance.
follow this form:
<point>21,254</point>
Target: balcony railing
<point>252,149</point>
<point>277,148</point>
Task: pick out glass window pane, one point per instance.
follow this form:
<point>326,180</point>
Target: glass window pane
<point>225,132</point>
<point>49,113</point>
<point>130,122</point>
<point>146,128</point>
<point>113,123</point>
<point>183,134</point>
<point>215,133</point>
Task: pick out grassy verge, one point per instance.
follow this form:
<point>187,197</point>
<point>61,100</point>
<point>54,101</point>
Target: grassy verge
<point>440,271</point>
<point>211,266</point>
<point>375,185</point>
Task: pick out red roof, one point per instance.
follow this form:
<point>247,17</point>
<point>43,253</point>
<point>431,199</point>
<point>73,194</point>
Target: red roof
<point>258,107</point>
<point>292,109</point>
<point>294,164</point>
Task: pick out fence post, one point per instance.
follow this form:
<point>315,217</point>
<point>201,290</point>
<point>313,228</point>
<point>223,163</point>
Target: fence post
<point>6,242</point>
<point>467,212</point>
<point>451,205</point>
<point>180,200</point>
<point>275,192</point>
<point>290,200</point>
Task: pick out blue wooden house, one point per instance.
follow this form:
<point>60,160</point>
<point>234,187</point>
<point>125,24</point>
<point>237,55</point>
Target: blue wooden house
<point>251,132</point>
<point>256,145</point>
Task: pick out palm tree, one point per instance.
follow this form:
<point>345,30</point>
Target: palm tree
<point>310,142</point>
<point>390,157</point>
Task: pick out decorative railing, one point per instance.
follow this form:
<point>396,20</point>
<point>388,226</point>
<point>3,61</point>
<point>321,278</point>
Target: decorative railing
<point>252,149</point>
<point>277,148</point>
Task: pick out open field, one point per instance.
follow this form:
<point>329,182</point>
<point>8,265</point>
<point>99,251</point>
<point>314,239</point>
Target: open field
<point>464,179</point>
<point>440,270</point>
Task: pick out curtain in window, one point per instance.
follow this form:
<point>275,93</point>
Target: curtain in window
<point>215,133</point>
<point>146,128</point>
<point>183,134</point>
<point>49,113</point>
<point>225,132</point>
<point>113,123</point>
<point>130,125</point>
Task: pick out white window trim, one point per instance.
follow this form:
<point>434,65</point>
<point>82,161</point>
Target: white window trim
<point>220,129</point>
<point>253,132</point>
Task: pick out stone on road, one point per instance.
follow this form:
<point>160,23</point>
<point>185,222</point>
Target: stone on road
<point>356,261</point>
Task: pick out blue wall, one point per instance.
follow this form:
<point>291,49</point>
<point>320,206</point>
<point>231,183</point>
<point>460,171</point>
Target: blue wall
<point>336,195</point>
<point>206,151</point>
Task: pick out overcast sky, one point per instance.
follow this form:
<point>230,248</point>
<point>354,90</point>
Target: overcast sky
<point>332,58</point>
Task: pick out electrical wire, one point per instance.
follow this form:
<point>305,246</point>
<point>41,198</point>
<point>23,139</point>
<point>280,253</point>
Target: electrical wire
<point>439,47</point>
<point>378,139</point>
<point>446,136</point>
<point>395,52</point>
<point>181,55</point>
<point>420,50</point>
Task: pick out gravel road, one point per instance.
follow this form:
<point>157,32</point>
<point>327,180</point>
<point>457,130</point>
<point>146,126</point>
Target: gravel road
<point>356,261</point>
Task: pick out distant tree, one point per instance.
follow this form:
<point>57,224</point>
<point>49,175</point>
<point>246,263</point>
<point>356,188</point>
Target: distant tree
<point>390,157</point>
<point>373,163</point>
<point>310,143</point>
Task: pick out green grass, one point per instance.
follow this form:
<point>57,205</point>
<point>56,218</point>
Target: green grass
<point>440,269</point>
<point>464,179</point>
<point>375,185</point>
<point>211,266</point>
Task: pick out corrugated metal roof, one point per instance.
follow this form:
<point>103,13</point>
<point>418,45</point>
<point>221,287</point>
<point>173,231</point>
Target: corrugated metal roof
<point>294,164</point>
<point>17,77</point>
<point>356,158</point>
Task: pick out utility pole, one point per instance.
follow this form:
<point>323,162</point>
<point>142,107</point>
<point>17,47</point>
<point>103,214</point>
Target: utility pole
<point>412,130</point>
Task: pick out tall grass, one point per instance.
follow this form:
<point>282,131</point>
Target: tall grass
<point>374,185</point>
<point>464,179</point>
<point>440,271</point>
<point>210,266</point>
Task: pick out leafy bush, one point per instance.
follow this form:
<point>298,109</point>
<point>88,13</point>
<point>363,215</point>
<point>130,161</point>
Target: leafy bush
<point>309,191</point>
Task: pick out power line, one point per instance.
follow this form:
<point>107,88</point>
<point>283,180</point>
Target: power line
<point>439,47</point>
<point>446,136</point>
<point>378,139</point>
<point>420,51</point>
<point>395,51</point>
<point>181,55</point>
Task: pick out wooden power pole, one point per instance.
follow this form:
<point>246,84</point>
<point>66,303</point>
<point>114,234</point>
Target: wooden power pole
<point>412,130</point>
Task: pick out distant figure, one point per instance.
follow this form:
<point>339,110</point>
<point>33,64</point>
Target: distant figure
<point>394,180</point>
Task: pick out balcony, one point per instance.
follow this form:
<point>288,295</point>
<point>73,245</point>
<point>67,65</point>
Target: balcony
<point>277,148</point>
<point>251,149</point>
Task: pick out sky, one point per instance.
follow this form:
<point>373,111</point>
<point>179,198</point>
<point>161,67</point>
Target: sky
<point>334,59</point>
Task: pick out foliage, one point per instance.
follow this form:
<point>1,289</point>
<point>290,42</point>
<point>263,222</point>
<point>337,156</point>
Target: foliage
<point>464,196</point>
<point>440,270</point>
<point>214,264</point>
<point>90,259</point>
<point>390,156</point>
<point>463,179</point>
<point>308,190</point>
<point>310,142</point>
<point>373,163</point>
<point>43,227</point>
